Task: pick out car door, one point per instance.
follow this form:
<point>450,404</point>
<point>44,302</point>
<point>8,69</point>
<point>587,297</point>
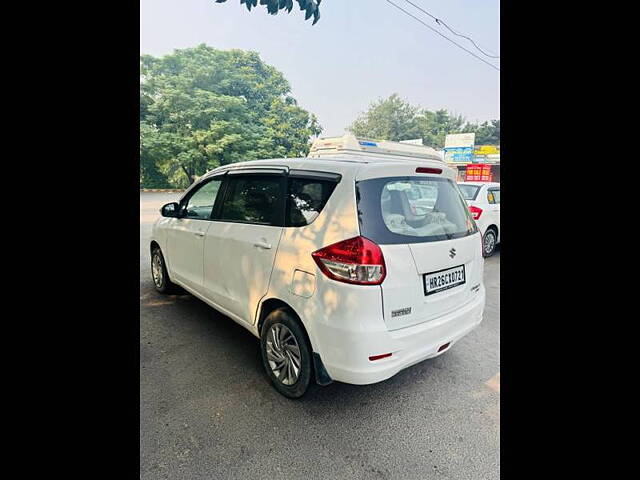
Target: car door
<point>241,244</point>
<point>493,198</point>
<point>185,239</point>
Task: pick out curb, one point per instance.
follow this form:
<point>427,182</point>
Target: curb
<point>161,190</point>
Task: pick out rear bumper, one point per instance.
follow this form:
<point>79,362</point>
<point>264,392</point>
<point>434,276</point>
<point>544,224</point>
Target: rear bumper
<point>347,360</point>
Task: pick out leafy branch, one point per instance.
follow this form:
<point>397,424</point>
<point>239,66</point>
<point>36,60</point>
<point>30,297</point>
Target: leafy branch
<point>311,7</point>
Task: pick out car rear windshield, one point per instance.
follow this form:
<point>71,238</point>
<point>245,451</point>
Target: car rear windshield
<point>396,210</point>
<point>469,192</point>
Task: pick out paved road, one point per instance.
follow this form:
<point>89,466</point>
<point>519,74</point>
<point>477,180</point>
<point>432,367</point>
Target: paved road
<point>207,410</point>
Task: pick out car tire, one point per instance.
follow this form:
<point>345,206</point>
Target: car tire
<point>489,242</point>
<point>159,274</point>
<point>286,354</point>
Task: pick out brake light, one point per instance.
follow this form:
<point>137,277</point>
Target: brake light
<point>428,170</point>
<point>475,212</point>
<point>357,260</point>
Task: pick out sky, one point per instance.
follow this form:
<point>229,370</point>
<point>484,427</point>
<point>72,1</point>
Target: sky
<point>358,52</point>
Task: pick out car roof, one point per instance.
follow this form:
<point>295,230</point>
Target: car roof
<point>338,163</point>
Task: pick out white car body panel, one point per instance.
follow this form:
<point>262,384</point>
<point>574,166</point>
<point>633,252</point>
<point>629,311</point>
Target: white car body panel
<point>404,288</point>
<point>185,248</point>
<point>490,212</point>
<point>237,266</point>
<point>346,323</point>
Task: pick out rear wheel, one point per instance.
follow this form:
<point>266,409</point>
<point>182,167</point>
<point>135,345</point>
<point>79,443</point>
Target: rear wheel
<point>159,273</point>
<point>286,355</point>
<point>489,242</point>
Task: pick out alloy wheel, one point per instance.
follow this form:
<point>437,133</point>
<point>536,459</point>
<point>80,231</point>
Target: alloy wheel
<point>489,242</point>
<point>156,270</point>
<point>283,354</point>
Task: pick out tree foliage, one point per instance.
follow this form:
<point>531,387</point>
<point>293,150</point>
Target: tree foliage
<point>396,119</point>
<point>388,119</point>
<point>310,7</point>
<point>487,133</point>
<point>201,108</point>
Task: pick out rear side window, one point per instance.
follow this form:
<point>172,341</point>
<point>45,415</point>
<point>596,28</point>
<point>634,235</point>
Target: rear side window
<point>411,210</point>
<point>253,199</point>
<point>493,196</point>
<point>469,192</point>
<point>306,198</point>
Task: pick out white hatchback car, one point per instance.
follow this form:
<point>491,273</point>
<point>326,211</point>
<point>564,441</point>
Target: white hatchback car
<point>483,199</point>
<point>339,265</point>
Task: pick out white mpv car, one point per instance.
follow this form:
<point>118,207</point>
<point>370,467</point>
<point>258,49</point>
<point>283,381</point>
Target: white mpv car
<point>484,204</point>
<point>347,269</point>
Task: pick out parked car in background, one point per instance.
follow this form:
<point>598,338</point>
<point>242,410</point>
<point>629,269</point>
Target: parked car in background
<point>483,199</point>
<point>329,263</point>
<point>422,198</point>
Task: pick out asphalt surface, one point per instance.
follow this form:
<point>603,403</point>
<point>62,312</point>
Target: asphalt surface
<point>207,410</point>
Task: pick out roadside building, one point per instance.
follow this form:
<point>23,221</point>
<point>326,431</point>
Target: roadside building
<point>485,158</point>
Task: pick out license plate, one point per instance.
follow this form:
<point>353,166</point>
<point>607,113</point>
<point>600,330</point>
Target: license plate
<point>435,282</point>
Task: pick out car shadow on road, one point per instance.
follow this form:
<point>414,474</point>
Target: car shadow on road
<point>221,358</point>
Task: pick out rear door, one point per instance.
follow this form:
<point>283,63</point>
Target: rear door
<point>433,259</point>
<point>240,245</point>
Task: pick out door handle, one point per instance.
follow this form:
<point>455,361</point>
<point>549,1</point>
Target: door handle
<point>264,245</point>
<point>199,234</point>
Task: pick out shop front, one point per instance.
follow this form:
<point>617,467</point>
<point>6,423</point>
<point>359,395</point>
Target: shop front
<point>483,166</point>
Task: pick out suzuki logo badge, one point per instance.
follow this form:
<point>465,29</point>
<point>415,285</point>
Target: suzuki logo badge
<point>452,252</point>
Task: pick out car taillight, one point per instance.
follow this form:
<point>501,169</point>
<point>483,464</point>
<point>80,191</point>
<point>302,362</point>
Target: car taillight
<point>475,212</point>
<point>357,260</point>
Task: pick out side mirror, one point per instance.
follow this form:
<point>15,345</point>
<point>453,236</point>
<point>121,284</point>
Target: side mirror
<point>170,209</point>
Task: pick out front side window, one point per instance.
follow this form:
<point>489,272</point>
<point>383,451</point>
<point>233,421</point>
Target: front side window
<point>306,198</point>
<point>253,199</point>
<point>412,209</point>
<point>200,204</point>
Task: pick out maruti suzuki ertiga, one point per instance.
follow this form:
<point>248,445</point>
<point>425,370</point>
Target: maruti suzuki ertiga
<point>347,269</point>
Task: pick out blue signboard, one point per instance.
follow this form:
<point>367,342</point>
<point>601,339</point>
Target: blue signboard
<point>458,154</point>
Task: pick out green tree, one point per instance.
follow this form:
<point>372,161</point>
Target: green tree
<point>151,153</point>
<point>388,119</point>
<point>396,119</point>
<point>487,133</point>
<point>435,126</point>
<point>201,108</point>
<point>311,7</point>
